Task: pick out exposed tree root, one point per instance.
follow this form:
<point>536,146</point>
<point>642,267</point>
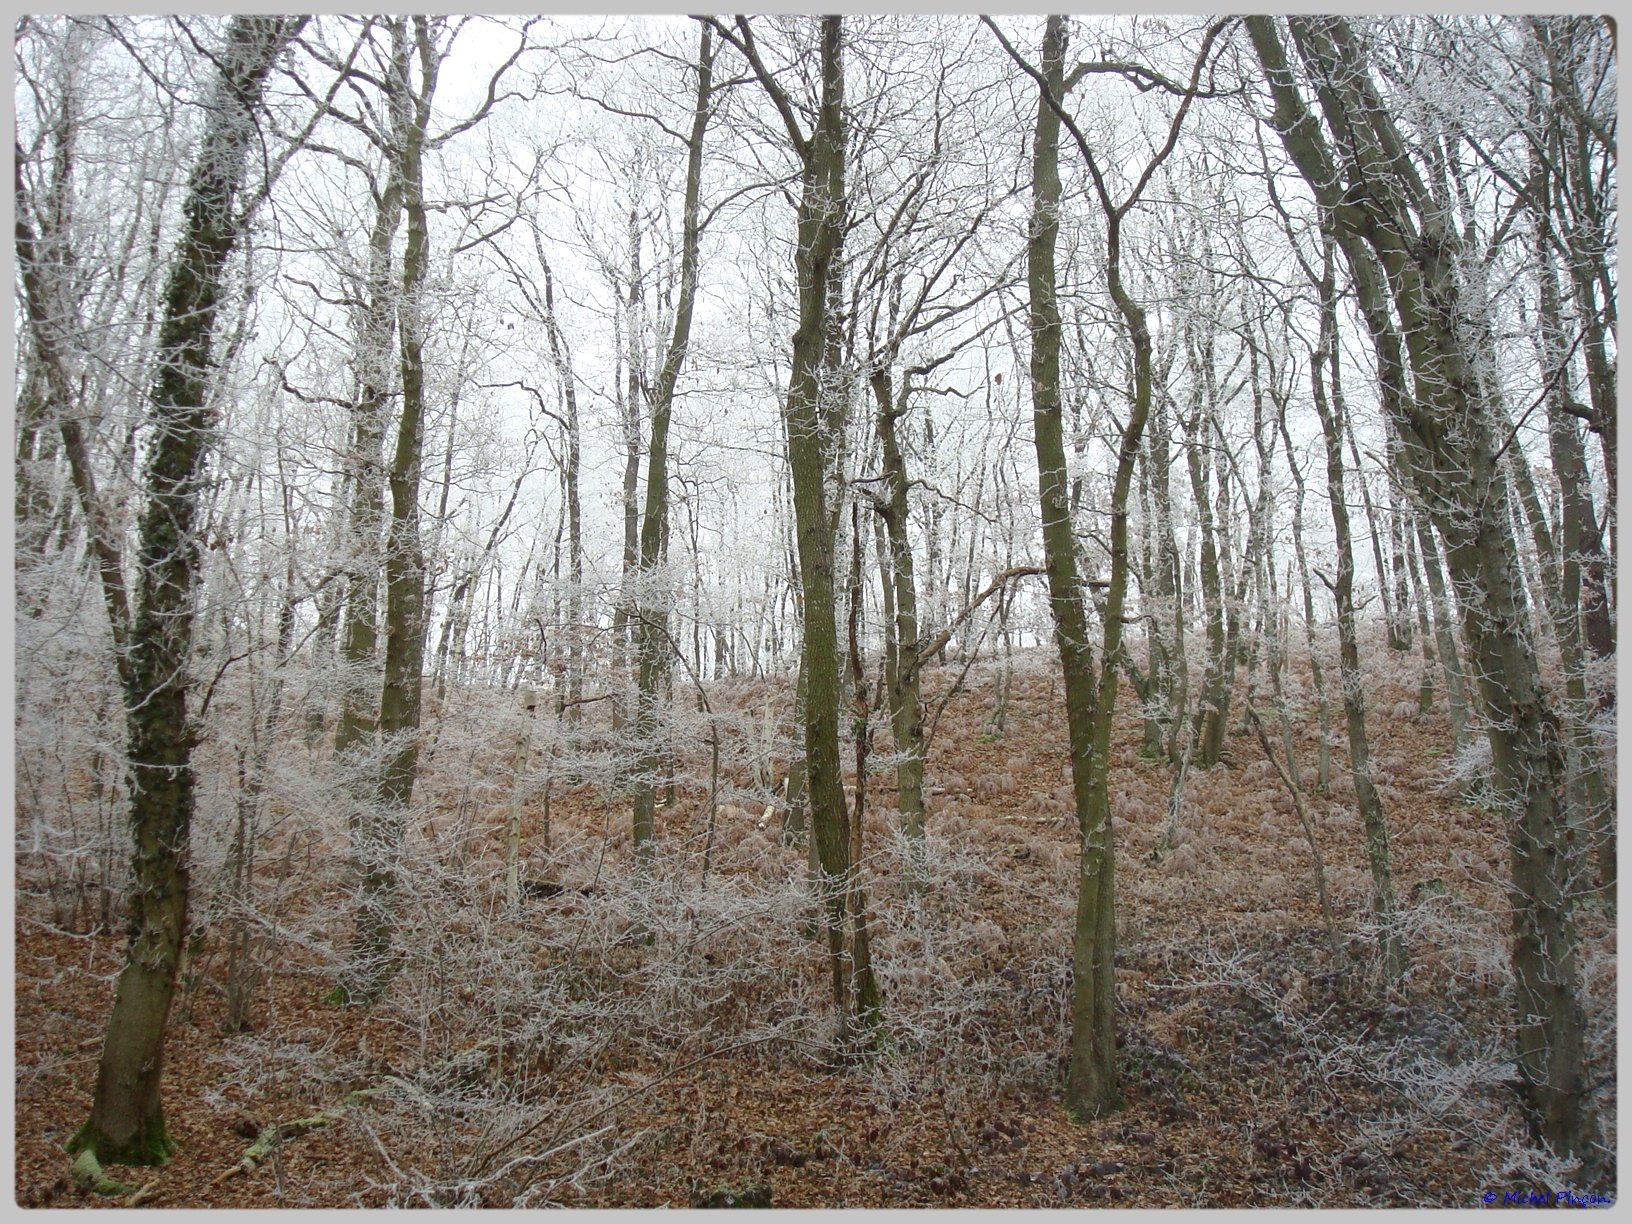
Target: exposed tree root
<point>87,1172</point>
<point>271,1136</point>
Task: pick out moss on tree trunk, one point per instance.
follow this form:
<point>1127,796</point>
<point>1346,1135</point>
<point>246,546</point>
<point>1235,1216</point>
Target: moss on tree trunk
<point>126,1124</point>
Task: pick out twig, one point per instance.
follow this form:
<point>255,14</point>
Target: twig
<point>1303,819</point>
<point>146,1194</point>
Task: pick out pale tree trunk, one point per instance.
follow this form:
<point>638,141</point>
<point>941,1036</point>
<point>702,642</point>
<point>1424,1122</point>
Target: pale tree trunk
<point>1209,720</point>
<point>1260,526</point>
<point>375,327</point>
<point>1397,559</point>
<point>1419,599</point>
<point>242,973</point>
<point>561,357</point>
<point>1168,665</point>
<point>126,1124</point>
<point>1579,205</point>
<point>1450,662</point>
<point>1384,595</point>
<point>47,393</point>
<point>382,825</point>
<point>1579,556</point>
<point>1410,590</point>
<point>652,643</point>
<point>629,375</point>
<point>1317,675</point>
<point>1576,598</point>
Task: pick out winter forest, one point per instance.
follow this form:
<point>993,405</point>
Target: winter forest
<point>815,611</point>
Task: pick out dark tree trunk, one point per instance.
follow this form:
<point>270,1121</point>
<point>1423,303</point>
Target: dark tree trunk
<point>127,1118</point>
<point>1090,696</point>
<point>1091,1088</point>
<point>810,414</point>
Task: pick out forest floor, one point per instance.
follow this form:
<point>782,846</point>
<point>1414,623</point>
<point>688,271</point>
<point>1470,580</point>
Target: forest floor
<point>616,1044</point>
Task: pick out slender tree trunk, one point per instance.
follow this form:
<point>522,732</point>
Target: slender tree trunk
<point>48,393</point>
<point>652,646</point>
<point>1091,1087</point>
<point>1391,611</point>
<point>864,1001</point>
<point>903,673</point>
<point>1332,415</point>
<point>1570,601</point>
<point>1419,599</point>
<point>382,827</point>
<point>1444,633</point>
<point>1400,563</point>
<point>561,357</point>
<point>811,412</point>
<point>1207,733</point>
<point>1090,698</point>
<point>1317,676</point>
<point>630,373</point>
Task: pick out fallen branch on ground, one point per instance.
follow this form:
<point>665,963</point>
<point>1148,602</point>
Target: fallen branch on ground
<point>271,1136</point>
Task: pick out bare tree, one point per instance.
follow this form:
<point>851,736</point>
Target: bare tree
<point>652,641</point>
<point>807,413</point>
<point>1407,263</point>
<point>127,1116</point>
<point>1090,699</point>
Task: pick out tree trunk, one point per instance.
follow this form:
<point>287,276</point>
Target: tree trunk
<point>1168,668</point>
<point>903,673</point>
<point>1391,618</point>
<point>1332,421</point>
<point>1419,599</point>
<point>1444,633</point>
<point>1317,676</point>
<point>1209,720</point>
<point>1090,699</point>
<point>1574,589</point>
<point>1091,1088</point>
<point>562,360</point>
<point>375,328</point>
<point>810,412</point>
<point>47,392</point>
<point>126,1124</point>
<point>652,645</point>
<point>382,827</point>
